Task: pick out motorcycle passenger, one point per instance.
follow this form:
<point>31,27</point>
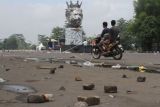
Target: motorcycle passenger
<point>114,33</point>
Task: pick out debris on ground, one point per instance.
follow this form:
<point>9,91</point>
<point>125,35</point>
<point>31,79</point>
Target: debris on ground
<point>47,77</point>
<point>62,88</point>
<point>110,89</point>
<point>87,63</point>
<point>112,96</point>
<point>141,79</point>
<point>18,88</point>
<point>72,57</point>
<point>91,101</point>
<point>53,70</point>
<point>81,104</point>
<point>39,98</point>
<point>131,92</point>
<point>61,66</point>
<point>118,66</point>
<point>78,65</point>
<point>2,80</point>
<point>44,67</point>
<point>124,76</point>
<point>89,86</point>
<point>7,69</point>
<point>73,62</point>
<point>78,78</point>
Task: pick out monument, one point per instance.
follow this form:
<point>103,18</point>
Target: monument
<point>73,28</point>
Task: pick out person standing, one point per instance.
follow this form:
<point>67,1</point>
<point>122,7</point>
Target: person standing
<point>50,45</point>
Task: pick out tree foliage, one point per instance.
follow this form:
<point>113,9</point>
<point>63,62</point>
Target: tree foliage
<point>43,39</point>
<point>146,26</point>
<point>15,41</point>
<point>57,33</point>
<point>127,39</point>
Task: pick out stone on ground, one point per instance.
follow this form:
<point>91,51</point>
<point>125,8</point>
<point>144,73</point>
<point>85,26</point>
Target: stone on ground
<point>92,100</point>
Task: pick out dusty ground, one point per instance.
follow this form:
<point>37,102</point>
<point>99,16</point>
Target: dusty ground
<point>22,72</point>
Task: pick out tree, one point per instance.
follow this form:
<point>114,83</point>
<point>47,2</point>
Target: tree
<point>20,41</point>
<point>15,41</point>
<point>1,45</point>
<point>127,39</point>
<point>146,24</point>
<point>43,39</point>
<point>11,43</point>
<point>57,33</point>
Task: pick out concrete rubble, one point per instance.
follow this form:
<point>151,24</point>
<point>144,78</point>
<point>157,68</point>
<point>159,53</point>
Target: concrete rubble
<point>141,79</point>
<point>53,70</point>
<point>91,101</point>
<point>110,89</point>
<point>39,98</point>
<point>89,86</point>
<point>78,78</point>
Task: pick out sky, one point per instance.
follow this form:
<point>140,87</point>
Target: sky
<point>33,17</point>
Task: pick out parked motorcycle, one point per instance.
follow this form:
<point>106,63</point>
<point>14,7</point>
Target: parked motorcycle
<point>116,51</point>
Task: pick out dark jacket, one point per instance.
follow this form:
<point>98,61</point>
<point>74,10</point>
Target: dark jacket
<point>104,32</point>
<point>114,32</point>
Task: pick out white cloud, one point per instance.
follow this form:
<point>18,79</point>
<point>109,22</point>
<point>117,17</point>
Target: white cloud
<point>34,19</point>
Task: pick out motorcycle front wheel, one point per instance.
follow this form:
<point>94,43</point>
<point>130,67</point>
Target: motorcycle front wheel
<point>96,53</point>
<point>118,54</point>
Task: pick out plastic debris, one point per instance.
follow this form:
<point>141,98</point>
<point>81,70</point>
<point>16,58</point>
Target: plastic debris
<point>18,88</point>
<point>142,69</point>
<point>118,66</point>
<point>112,96</point>
<point>2,80</point>
<point>87,63</point>
<point>81,104</point>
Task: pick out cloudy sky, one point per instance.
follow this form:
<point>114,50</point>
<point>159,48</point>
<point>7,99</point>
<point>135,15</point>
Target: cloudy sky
<point>33,17</point>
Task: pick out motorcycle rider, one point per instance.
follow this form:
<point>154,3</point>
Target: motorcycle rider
<point>104,35</point>
<point>111,38</point>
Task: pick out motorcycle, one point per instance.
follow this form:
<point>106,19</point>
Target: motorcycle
<point>116,50</point>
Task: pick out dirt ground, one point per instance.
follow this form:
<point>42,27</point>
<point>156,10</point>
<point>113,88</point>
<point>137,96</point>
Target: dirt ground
<point>25,72</point>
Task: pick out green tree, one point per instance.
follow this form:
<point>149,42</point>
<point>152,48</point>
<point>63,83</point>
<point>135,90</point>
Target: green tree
<point>15,41</point>
<point>43,39</point>
<point>11,43</point>
<point>20,41</point>
<point>126,36</point>
<point>146,24</point>
<point>57,33</point>
<point>1,44</point>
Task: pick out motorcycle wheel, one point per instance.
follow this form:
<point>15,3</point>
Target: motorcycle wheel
<point>96,53</point>
<point>118,54</point>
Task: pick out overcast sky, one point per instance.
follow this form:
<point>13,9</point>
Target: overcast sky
<point>33,17</point>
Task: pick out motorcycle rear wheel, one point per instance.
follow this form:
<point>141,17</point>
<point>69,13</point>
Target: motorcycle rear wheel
<point>118,54</point>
